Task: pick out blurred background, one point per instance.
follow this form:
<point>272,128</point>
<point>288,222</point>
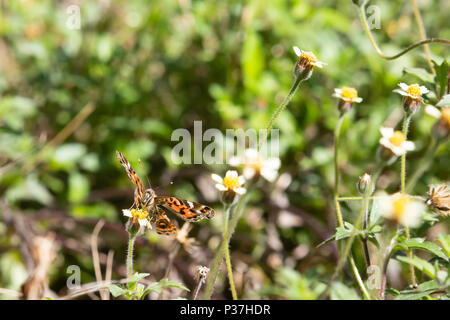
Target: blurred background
<point>135,71</point>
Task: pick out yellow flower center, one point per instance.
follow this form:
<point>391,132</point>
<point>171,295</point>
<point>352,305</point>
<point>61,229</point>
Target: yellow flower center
<point>397,138</point>
<point>445,114</point>
<point>139,214</point>
<point>231,182</point>
<point>414,91</point>
<point>308,57</point>
<point>399,206</point>
<point>349,93</point>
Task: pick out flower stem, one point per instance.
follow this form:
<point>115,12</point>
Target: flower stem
<point>406,121</point>
<point>337,133</point>
<point>387,257</point>
<point>356,227</point>
<point>280,108</point>
<point>227,209</point>
<point>130,257</point>
<point>362,10</point>
<point>214,270</point>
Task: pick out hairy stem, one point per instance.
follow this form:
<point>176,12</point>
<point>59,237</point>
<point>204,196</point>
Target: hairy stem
<point>356,227</point>
<point>406,121</point>
<point>215,266</point>
<point>227,210</point>
<point>280,108</point>
<point>130,257</point>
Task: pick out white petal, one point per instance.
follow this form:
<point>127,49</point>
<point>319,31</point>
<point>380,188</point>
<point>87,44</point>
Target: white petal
<point>126,213</point>
<point>338,91</point>
<point>143,222</point>
<point>384,203</point>
<point>404,86</point>
<point>269,174</point>
<point>240,190</point>
<point>221,187</point>
<point>398,151</point>
<point>408,145</point>
<point>249,172</point>
<point>231,173</point>
<point>272,163</point>
<point>297,51</point>
<point>433,111</point>
<point>413,214</point>
<point>235,161</point>
<point>241,180</point>
<point>251,153</point>
<point>403,93</point>
<point>386,132</point>
<point>424,90</point>
<point>358,100</point>
<point>216,178</point>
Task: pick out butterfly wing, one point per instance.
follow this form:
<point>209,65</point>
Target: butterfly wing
<point>185,209</point>
<point>163,224</point>
<point>140,190</point>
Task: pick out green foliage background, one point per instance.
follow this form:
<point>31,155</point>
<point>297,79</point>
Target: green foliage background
<point>150,67</point>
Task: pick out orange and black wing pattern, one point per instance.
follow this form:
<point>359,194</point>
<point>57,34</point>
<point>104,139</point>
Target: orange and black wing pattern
<point>185,209</point>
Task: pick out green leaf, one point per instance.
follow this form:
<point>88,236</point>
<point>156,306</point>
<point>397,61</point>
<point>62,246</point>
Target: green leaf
<point>173,284</point>
<point>420,73</point>
<point>420,264</point>
<point>423,290</point>
<point>444,102</point>
<point>154,287</point>
<point>117,291</point>
<point>441,76</point>
<point>340,291</point>
<point>138,276</point>
<point>418,243</point>
<point>444,240</point>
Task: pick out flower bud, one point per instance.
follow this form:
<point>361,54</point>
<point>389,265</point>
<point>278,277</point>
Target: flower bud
<point>363,184</point>
<point>305,64</point>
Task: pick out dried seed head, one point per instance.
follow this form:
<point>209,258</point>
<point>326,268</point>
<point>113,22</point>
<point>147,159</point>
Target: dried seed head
<point>439,199</point>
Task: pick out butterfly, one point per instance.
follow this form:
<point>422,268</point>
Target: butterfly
<point>156,206</point>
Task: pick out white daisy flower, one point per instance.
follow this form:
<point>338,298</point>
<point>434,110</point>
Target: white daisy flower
<point>254,165</point>
<point>413,91</point>
<point>347,94</point>
<point>395,141</point>
<point>402,209</point>
<point>139,215</point>
<point>307,58</point>
<point>231,182</point>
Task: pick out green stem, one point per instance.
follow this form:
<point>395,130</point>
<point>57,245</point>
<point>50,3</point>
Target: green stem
<point>372,198</point>
<point>406,121</point>
<point>280,108</point>
<point>356,227</point>
<point>130,257</point>
<point>387,257</point>
<point>227,209</point>
<point>337,133</point>
<point>362,11</point>
<point>215,266</point>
